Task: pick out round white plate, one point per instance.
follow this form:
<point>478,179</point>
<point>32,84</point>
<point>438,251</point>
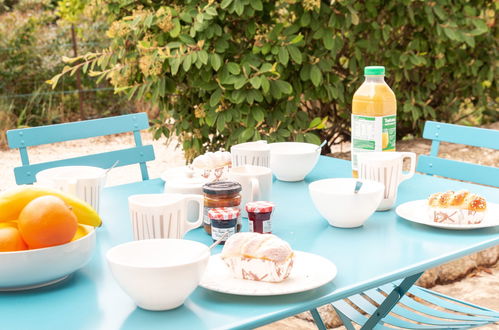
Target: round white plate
<point>416,211</point>
<point>304,276</point>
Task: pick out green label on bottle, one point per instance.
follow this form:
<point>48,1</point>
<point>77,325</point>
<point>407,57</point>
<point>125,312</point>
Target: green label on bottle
<point>371,133</point>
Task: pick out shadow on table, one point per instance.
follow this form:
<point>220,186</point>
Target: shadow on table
<point>139,318</point>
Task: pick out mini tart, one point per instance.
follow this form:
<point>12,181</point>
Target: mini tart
<point>258,257</point>
<point>460,207</point>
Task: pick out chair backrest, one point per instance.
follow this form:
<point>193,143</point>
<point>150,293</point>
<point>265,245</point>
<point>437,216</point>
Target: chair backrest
<point>472,136</point>
<point>33,136</point>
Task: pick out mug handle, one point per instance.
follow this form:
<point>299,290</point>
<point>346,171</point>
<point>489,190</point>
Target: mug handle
<point>412,169</point>
<point>255,190</point>
<point>200,200</point>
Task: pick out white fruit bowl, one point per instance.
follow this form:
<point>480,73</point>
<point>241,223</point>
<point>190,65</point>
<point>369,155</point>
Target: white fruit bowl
<point>292,161</point>
<point>158,274</point>
<point>340,206</point>
<point>29,269</point>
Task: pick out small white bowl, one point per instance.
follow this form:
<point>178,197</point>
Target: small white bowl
<point>21,270</point>
<point>158,274</point>
<point>335,200</point>
<point>292,161</point>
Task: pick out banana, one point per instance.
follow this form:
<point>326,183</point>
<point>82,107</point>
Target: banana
<point>14,200</point>
<point>81,231</point>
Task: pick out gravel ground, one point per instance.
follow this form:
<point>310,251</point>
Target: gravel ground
<point>480,287</point>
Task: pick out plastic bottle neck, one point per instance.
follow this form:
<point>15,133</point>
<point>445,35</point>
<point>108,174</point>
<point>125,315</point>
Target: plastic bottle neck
<point>375,79</point>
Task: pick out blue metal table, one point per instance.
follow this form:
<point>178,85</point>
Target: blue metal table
<point>385,249</point>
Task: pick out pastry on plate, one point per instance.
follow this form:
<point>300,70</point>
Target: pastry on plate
<point>258,257</point>
<point>456,207</point>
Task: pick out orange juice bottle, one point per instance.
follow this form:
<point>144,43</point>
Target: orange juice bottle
<point>374,115</point>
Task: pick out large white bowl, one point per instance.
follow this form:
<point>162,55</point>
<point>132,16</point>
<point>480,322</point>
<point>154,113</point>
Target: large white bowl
<point>292,161</point>
<point>335,200</point>
<point>20,270</point>
<point>158,274</point>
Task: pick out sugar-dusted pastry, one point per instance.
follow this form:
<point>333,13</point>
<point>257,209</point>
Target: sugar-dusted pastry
<point>258,257</point>
<point>460,207</point>
<point>212,160</point>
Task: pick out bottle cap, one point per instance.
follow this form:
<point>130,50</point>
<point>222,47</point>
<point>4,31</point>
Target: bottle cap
<point>374,71</point>
<point>260,207</point>
<point>222,188</point>
<point>224,213</point>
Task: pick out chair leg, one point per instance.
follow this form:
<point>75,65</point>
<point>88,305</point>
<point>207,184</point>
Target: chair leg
<point>391,300</point>
<point>318,319</point>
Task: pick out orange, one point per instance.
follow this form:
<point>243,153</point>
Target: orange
<point>47,221</point>
<point>10,238</point>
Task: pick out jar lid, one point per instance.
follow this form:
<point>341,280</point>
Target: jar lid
<point>260,207</point>
<point>223,213</point>
<point>222,188</point>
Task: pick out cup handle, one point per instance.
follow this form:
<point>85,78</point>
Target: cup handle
<point>412,169</point>
<point>200,200</point>
<point>255,190</point>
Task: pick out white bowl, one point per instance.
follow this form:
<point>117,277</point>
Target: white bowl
<point>20,270</point>
<point>158,274</point>
<point>292,161</point>
<point>335,200</point>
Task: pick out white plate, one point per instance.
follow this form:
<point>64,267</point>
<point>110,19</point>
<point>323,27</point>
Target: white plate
<point>304,276</point>
<point>416,211</point>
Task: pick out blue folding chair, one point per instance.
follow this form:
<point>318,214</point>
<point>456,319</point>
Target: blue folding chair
<point>27,137</point>
<point>412,303</point>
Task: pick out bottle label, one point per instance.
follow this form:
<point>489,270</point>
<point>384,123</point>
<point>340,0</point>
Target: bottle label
<point>372,134</point>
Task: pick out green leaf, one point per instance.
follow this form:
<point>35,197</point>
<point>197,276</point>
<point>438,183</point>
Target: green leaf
<point>312,138</point>
<point>265,84</point>
<point>174,33</point>
<point>215,97</point>
<point>295,54</point>
<point>283,132</point>
<point>203,56</point>
<point>175,64</point>
<point>258,114</point>
<point>328,41</point>
<point>247,134</point>
<point>186,64</point>
<point>257,5</point>
<point>225,4</point>
<point>233,68</point>
<point>220,123</point>
<point>283,56</point>
<point>255,82</point>
<point>240,82</point>
<point>216,61</point>
<point>296,39</point>
<point>315,122</point>
<point>450,33</point>
<point>266,67</point>
<point>212,11</point>
<point>284,86</point>
<point>315,75</point>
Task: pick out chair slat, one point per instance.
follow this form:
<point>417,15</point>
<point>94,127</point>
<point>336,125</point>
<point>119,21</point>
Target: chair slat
<point>34,136</point>
<point>422,317</point>
<point>27,174</point>
<point>472,136</point>
<point>369,308</point>
<point>449,168</point>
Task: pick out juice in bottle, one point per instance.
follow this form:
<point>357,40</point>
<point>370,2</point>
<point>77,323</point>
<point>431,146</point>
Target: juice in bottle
<point>374,112</point>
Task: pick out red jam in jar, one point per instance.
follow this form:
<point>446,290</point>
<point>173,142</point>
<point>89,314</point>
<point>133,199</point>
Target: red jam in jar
<point>259,216</point>
<point>223,222</point>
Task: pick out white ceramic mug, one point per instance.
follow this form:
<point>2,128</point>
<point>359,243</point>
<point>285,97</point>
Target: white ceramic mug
<point>162,215</point>
<point>386,167</point>
<point>256,182</point>
<point>251,153</point>
<point>84,182</point>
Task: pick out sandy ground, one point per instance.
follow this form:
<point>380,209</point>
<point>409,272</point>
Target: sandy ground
<point>480,287</point>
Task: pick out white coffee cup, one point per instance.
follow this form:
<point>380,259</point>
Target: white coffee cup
<point>162,215</point>
<point>84,182</point>
<point>256,182</point>
<point>386,168</point>
<point>251,153</point>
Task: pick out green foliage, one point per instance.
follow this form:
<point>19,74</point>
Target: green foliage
<point>231,71</point>
<point>31,45</point>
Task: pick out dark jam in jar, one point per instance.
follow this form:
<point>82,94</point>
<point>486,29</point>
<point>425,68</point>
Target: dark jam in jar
<point>259,216</point>
<point>221,194</point>
<point>223,222</point>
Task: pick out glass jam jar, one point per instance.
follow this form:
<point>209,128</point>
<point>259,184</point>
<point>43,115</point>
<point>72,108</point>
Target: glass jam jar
<point>221,194</point>
<point>223,222</point>
<point>259,216</point>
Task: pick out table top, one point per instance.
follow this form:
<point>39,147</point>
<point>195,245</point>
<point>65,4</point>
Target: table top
<point>386,248</point>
